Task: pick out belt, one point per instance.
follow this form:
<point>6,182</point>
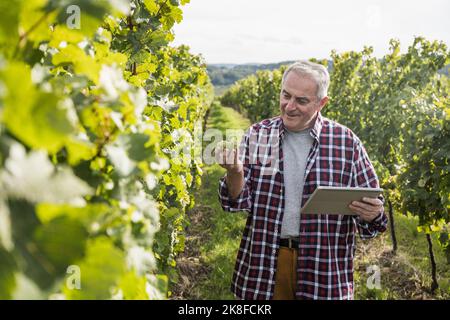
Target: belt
<point>290,242</point>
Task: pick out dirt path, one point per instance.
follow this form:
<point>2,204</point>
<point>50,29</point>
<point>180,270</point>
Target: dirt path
<point>191,267</point>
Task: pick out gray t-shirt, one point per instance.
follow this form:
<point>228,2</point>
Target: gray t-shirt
<point>296,147</point>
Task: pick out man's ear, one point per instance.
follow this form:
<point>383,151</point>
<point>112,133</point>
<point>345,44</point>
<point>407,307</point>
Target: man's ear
<point>323,102</point>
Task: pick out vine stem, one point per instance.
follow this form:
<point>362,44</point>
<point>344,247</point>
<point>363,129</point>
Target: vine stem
<point>434,284</point>
<point>27,33</point>
<point>165,2</point>
<point>391,221</point>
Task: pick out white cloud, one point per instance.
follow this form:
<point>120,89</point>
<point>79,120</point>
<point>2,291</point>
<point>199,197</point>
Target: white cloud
<point>237,31</point>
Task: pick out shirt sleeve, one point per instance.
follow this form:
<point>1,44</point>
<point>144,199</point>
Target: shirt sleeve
<point>244,200</point>
<point>364,176</point>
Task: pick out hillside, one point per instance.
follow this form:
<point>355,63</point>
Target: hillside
<point>227,74</point>
<point>224,75</point>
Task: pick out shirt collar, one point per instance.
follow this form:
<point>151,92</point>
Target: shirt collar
<point>315,130</point>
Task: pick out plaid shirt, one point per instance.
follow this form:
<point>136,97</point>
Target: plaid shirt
<point>327,242</point>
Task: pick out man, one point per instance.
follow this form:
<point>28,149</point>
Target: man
<point>285,254</point>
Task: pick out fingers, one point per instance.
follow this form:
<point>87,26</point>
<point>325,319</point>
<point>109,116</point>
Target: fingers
<point>374,201</point>
<point>218,155</point>
<point>227,156</point>
<point>363,207</point>
<point>366,211</point>
<point>221,155</point>
<point>356,209</point>
<point>365,215</point>
<point>368,217</point>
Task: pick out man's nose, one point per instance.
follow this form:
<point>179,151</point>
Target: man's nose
<point>291,104</point>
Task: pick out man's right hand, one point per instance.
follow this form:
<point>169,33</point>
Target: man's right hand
<point>228,158</point>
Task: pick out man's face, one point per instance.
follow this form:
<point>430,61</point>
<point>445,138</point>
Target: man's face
<point>299,104</point>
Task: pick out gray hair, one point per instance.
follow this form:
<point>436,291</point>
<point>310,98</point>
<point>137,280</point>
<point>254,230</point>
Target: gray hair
<point>316,71</point>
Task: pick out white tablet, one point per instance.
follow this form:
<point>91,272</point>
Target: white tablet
<point>335,200</point>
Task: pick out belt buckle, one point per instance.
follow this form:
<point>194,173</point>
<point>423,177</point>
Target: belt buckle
<point>290,243</point>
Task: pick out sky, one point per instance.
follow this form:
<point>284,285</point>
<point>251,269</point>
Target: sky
<point>266,31</point>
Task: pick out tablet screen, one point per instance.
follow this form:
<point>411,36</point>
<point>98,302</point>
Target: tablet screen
<point>335,200</point>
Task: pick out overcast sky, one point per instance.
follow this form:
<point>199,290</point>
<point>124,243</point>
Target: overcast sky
<point>264,31</point>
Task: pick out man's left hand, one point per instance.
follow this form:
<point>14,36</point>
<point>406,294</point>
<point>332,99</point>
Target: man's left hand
<point>368,209</point>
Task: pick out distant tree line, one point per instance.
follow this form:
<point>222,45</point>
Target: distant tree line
<point>227,74</point>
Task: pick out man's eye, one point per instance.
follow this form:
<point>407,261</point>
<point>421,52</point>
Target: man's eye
<point>286,95</point>
<point>302,101</point>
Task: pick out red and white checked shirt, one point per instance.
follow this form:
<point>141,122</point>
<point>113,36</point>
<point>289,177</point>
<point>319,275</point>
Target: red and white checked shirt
<point>327,242</point>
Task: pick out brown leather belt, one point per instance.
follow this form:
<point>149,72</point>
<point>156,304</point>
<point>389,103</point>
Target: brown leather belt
<point>290,242</point>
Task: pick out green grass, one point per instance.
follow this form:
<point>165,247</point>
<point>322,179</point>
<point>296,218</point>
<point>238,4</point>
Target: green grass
<point>415,244</point>
<point>224,118</point>
<point>220,90</point>
<point>220,232</point>
<point>221,249</point>
<point>406,275</point>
